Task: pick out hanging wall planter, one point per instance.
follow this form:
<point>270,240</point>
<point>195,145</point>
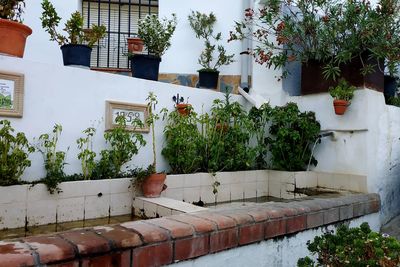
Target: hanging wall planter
<point>208,79</point>
<point>13,37</point>
<point>342,95</point>
<point>184,109</point>
<point>145,67</point>
<point>340,106</point>
<point>76,55</point>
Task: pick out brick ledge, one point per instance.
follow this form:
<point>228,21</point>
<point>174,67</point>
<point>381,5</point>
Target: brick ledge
<point>169,239</point>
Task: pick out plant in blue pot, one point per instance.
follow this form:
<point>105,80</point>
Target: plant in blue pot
<point>77,46</point>
<point>156,34</point>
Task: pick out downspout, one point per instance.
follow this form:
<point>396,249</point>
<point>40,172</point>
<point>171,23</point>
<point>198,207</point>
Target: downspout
<point>246,63</point>
<point>244,79</point>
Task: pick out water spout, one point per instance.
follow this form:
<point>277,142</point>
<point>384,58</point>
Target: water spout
<point>321,135</point>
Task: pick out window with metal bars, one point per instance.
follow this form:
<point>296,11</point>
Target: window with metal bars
<point>121,20</point>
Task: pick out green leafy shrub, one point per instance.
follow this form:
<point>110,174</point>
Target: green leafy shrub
<point>343,91</point>
<point>353,247</point>
<point>157,33</point>
<point>124,145</point>
<point>14,153</point>
<point>226,133</point>
<point>73,27</point>
<point>54,161</point>
<point>291,135</point>
<point>203,26</point>
<point>87,155</point>
<point>260,118</point>
<point>332,32</point>
<point>183,142</point>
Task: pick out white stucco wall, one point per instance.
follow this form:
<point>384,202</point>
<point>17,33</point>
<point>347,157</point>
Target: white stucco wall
<point>366,142</point>
<point>280,252</point>
<point>75,98</point>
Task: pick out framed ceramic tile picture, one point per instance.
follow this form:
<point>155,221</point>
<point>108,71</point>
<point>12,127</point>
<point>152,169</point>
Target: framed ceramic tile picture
<point>130,111</point>
<point>11,94</point>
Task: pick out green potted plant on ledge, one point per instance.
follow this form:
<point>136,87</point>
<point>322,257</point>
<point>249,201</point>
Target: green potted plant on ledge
<point>77,46</point>
<point>156,35</point>
<point>13,33</point>
<point>203,26</point>
<point>151,181</point>
<point>342,95</point>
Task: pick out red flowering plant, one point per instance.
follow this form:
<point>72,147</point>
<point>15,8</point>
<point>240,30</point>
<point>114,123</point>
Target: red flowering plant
<point>330,31</point>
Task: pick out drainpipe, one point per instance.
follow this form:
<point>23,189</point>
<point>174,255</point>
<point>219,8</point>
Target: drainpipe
<point>244,79</point>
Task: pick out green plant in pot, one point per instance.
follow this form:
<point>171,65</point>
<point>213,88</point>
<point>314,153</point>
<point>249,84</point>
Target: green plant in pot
<point>77,46</point>
<point>331,39</point>
<point>152,183</point>
<point>342,95</point>
<point>13,33</point>
<point>156,34</point>
<point>213,56</point>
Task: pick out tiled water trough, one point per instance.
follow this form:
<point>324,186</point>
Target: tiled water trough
<point>29,206</point>
<point>181,237</point>
<point>242,186</point>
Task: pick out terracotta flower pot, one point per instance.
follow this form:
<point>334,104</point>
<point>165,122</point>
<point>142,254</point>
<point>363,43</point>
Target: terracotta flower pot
<point>224,127</point>
<point>183,109</point>
<point>135,44</point>
<point>340,106</point>
<point>154,185</point>
<point>13,37</point>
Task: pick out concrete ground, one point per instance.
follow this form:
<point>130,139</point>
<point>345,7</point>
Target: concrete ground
<point>392,228</point>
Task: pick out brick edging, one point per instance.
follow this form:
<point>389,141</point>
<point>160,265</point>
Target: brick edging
<point>169,239</point>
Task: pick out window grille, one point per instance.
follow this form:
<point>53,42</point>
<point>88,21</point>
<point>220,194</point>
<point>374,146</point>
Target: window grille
<point>121,20</point>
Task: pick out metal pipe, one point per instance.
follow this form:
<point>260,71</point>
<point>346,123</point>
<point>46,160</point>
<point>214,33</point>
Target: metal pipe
<point>244,78</point>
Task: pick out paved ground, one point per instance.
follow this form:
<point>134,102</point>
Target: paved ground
<point>392,228</point>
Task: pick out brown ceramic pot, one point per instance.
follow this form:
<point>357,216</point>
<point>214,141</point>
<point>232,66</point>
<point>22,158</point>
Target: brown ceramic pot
<point>13,37</point>
<point>154,185</point>
<point>135,44</point>
<point>340,106</point>
<point>183,109</point>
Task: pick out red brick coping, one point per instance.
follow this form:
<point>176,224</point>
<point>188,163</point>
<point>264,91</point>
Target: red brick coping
<point>166,240</point>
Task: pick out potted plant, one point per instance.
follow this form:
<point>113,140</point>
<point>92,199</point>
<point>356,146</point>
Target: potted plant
<point>332,39</point>
<point>203,26</point>
<point>182,108</point>
<point>153,182</point>
<point>342,95</point>
<point>13,33</point>
<point>156,35</point>
<point>135,44</point>
<point>77,46</point>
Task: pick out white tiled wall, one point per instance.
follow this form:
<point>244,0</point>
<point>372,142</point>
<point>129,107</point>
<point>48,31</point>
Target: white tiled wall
<point>79,200</point>
<point>100,198</point>
<point>233,186</point>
